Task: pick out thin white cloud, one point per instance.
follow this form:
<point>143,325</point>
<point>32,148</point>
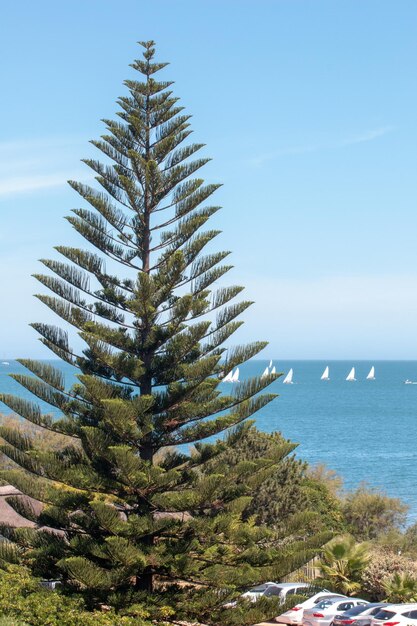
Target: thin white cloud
<point>40,163</point>
<point>366,136</point>
<point>24,184</point>
<point>370,135</point>
<point>291,150</point>
<point>36,144</point>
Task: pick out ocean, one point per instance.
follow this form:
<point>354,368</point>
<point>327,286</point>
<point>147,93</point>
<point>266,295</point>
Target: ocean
<point>364,430</point>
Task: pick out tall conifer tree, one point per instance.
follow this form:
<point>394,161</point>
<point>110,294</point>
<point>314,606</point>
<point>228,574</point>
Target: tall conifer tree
<point>127,506</point>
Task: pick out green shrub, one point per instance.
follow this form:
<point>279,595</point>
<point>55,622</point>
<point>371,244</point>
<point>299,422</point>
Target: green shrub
<point>22,598</point>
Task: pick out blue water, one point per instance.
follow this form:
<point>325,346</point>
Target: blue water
<point>365,430</point>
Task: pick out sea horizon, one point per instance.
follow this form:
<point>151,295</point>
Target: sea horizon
<point>364,430</point>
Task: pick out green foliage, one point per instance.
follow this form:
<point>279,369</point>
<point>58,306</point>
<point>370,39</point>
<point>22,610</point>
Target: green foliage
<point>23,602</point>
<point>327,506</point>
<point>370,514</point>
<point>246,613</point>
<point>118,515</point>
<point>410,540</point>
<point>42,438</point>
<point>279,494</point>
<point>400,588</point>
<point>342,565</point>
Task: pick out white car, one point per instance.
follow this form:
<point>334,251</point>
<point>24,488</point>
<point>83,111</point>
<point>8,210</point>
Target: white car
<point>295,615</point>
<point>258,591</point>
<point>283,590</point>
<point>323,613</point>
<point>396,614</point>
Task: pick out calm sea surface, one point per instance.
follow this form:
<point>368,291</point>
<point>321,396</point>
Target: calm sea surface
<point>365,430</point>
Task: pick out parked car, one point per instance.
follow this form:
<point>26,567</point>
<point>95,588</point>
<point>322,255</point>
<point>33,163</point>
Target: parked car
<point>283,590</point>
<point>360,615</point>
<point>295,615</point>
<point>395,614</point>
<point>323,613</point>
<point>258,591</point>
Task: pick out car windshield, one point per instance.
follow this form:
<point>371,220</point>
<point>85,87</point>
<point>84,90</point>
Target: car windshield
<point>384,615</point>
<point>323,604</point>
<point>356,610</point>
<point>272,591</point>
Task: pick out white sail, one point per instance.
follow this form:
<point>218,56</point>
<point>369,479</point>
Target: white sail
<point>265,373</point>
<point>288,379</point>
<point>325,375</point>
<point>273,371</point>
<point>351,375</point>
<point>270,363</point>
<point>228,377</point>
<point>371,375</point>
<point>235,377</point>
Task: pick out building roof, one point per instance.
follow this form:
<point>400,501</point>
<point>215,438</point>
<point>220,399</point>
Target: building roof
<point>8,515</point>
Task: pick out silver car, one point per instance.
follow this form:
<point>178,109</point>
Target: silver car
<point>294,616</point>
<point>283,590</point>
<point>324,612</point>
<point>360,615</point>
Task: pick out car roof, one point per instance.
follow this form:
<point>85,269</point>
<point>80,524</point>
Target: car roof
<point>286,585</point>
<point>344,600</point>
<point>400,607</point>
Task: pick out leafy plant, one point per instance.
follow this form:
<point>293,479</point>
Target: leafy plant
<point>342,565</point>
<point>400,588</point>
<point>23,602</point>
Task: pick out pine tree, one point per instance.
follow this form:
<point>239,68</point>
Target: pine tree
<point>129,508</point>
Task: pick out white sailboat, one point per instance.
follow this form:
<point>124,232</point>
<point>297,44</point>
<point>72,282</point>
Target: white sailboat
<point>273,371</point>
<point>228,377</point>
<point>371,375</point>
<point>325,375</point>
<point>288,379</point>
<point>270,364</point>
<point>351,375</point>
<point>235,376</point>
<point>265,373</point>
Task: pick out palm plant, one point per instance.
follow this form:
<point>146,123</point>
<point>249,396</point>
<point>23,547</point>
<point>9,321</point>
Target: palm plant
<point>400,588</point>
<point>342,564</point>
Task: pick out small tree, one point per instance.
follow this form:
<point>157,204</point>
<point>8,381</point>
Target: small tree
<point>370,513</point>
<point>121,517</point>
<point>280,495</point>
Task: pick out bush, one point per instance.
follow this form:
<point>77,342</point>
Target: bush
<point>380,569</point>
<point>22,598</point>
<point>370,513</point>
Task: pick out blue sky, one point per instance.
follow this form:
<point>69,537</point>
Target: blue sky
<point>309,110</point>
